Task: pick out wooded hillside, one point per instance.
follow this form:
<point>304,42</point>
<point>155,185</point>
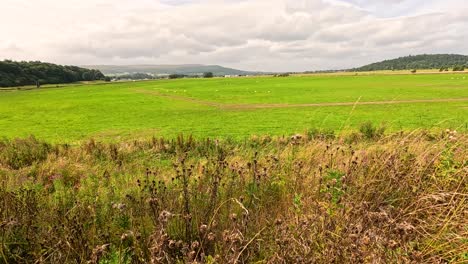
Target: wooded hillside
<point>13,73</point>
<point>425,61</point>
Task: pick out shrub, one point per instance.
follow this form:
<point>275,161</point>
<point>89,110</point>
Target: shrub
<point>315,133</point>
<point>281,75</point>
<point>369,131</point>
<point>19,153</point>
<point>208,75</point>
<point>176,76</point>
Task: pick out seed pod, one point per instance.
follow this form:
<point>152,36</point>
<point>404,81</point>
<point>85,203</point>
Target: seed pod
<point>191,255</point>
<point>233,217</point>
<point>172,244</point>
<point>203,228</point>
<point>195,245</point>
<point>211,236</point>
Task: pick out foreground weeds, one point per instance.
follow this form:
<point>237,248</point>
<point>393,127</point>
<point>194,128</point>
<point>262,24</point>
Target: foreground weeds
<point>399,198</point>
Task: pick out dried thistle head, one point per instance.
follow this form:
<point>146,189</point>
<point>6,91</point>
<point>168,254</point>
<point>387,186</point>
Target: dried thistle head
<point>164,216</point>
<point>127,236</point>
<point>211,236</point>
<point>153,201</point>
<point>195,245</point>
<point>191,255</point>
<point>179,244</point>
<point>203,228</point>
<point>233,217</point>
<point>98,252</point>
<point>172,244</point>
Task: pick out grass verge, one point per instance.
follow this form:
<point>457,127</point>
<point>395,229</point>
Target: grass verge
<point>364,197</point>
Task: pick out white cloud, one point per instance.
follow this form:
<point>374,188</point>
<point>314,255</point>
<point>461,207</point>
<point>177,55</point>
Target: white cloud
<point>257,35</point>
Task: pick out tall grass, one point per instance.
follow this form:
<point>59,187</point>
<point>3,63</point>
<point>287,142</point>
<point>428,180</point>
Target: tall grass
<point>305,199</point>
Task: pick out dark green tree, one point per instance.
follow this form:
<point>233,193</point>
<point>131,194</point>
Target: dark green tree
<point>208,75</point>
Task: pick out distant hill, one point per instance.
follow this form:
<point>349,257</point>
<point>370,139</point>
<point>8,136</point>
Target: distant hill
<point>185,69</point>
<point>425,61</point>
<point>20,73</point>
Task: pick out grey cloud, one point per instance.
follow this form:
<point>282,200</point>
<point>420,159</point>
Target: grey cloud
<point>257,35</point>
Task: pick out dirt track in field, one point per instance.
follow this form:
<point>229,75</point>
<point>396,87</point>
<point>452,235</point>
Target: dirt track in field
<point>266,106</point>
<point>261,106</point>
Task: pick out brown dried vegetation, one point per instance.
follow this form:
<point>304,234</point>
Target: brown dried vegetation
<point>399,198</point>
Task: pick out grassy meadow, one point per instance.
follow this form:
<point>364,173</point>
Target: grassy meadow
<point>234,107</point>
<point>301,169</point>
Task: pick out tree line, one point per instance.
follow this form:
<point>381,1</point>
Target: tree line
<point>425,61</point>
<point>20,73</point>
<point>146,76</point>
<point>178,75</point>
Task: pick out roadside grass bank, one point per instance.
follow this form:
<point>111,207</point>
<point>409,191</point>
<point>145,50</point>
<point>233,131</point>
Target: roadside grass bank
<point>364,197</point>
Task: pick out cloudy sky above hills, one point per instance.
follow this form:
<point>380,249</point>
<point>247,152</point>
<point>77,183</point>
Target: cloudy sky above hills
<point>267,35</point>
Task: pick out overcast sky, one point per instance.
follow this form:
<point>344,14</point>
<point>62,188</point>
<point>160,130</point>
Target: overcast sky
<point>267,35</point>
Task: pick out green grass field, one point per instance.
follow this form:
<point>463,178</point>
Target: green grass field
<point>235,107</point>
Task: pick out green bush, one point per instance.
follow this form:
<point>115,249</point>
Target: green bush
<point>369,131</point>
<point>19,153</point>
<point>315,133</point>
